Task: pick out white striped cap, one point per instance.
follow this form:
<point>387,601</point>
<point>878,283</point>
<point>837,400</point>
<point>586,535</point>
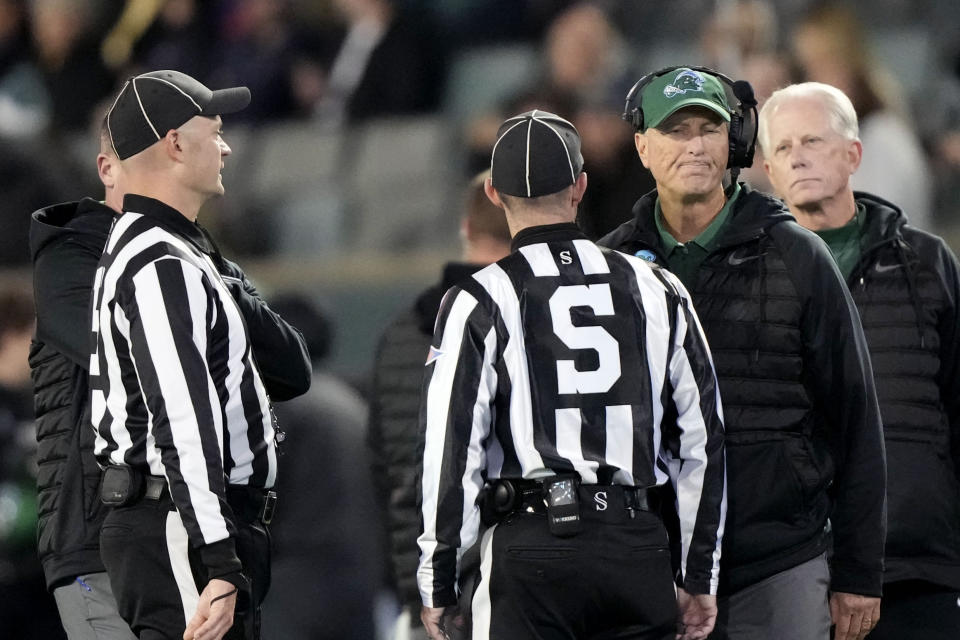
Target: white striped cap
<point>151,104</point>
<point>537,153</point>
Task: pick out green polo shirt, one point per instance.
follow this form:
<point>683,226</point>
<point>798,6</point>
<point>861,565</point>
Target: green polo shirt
<point>844,242</point>
<point>685,258</point>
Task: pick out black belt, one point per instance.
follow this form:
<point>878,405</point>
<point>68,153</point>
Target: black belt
<point>507,495</point>
<point>248,503</point>
<point>599,497</point>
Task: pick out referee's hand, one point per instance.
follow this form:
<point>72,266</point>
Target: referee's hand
<point>214,615</point>
<point>698,614</point>
<point>431,618</point>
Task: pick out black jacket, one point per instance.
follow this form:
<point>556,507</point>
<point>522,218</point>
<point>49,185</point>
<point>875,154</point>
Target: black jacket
<point>907,289</point>
<point>803,435</point>
<point>393,434</point>
<point>66,242</point>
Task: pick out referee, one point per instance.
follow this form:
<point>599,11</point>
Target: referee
<point>183,423</point>
<point>564,385</point>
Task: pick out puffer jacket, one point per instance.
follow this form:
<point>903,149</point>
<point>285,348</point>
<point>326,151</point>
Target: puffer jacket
<point>393,432</point>
<point>66,242</point>
<point>907,289</point>
<point>804,444</point>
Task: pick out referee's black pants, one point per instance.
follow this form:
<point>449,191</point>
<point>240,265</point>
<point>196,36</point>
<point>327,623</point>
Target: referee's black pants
<point>157,578</point>
<point>613,580</point>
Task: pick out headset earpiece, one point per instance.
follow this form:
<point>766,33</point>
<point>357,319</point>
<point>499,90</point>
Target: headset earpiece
<point>631,109</point>
<point>743,143</point>
<point>743,116</point>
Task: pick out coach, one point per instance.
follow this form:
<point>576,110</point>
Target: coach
<point>576,381</point>
<point>183,422</point>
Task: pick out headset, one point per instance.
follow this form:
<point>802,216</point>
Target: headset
<point>743,118</point>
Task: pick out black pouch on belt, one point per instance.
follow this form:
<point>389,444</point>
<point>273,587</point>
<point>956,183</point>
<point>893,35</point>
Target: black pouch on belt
<point>120,485</point>
<point>496,500</point>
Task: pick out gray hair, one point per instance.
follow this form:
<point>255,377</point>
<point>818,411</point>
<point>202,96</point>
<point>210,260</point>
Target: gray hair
<point>840,111</point>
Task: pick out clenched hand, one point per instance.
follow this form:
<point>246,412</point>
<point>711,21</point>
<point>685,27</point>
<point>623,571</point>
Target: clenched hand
<point>214,615</point>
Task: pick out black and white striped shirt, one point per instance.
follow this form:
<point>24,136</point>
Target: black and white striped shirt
<point>565,357</point>
<point>175,390</point>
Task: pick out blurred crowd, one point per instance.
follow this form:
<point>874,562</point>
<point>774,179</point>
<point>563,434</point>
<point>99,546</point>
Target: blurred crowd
<point>337,71</point>
<point>368,119</point>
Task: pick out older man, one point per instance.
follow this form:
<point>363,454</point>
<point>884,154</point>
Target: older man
<point>906,284</point>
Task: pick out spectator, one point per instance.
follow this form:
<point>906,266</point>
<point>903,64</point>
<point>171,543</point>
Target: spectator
<point>585,55</point>
<point>940,130</point>
<point>69,59</point>
<point>178,38</point>
<point>741,38</point>
<point>586,72</point>
<point>588,60</point>
<point>24,101</point>
<point>617,177</point>
<point>737,31</point>
<point>28,182</point>
<point>257,50</point>
<point>831,47</point>
<point>385,65</point>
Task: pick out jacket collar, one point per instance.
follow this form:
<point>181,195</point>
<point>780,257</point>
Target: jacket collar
<point>547,233</point>
<point>428,303</point>
<point>171,219</point>
<point>883,220</point>
<point>87,218</point>
<point>752,215</point>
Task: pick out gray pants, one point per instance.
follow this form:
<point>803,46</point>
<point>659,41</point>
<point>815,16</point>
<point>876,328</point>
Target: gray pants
<point>791,605</point>
<point>88,610</point>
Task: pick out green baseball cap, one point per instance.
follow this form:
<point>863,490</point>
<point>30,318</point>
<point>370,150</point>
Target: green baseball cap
<point>681,88</point>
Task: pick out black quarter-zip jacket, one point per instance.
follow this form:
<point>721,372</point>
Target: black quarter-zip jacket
<point>804,446</point>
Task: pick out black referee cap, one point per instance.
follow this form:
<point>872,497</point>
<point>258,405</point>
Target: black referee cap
<point>151,104</point>
<point>537,153</point>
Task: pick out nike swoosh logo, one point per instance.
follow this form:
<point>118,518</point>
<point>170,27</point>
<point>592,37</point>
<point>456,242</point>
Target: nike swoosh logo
<point>881,268</point>
<point>736,261</point>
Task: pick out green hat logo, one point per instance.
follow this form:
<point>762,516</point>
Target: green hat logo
<point>681,88</point>
<point>686,80</point>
